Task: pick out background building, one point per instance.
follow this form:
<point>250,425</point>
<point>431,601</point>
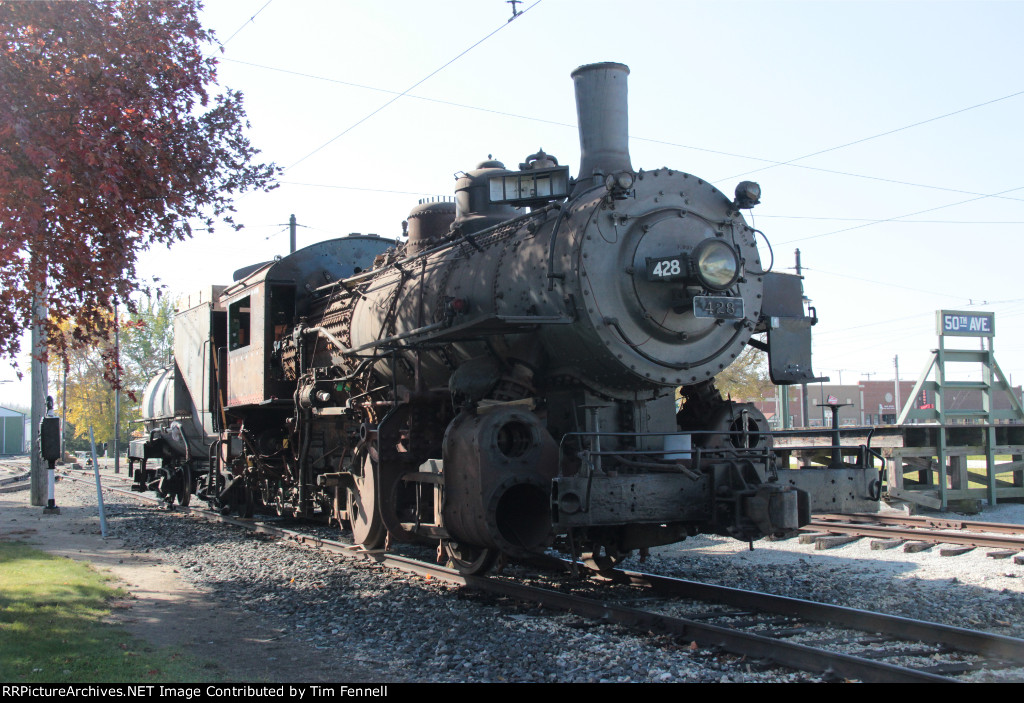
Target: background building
<point>868,403</point>
<point>12,432</point>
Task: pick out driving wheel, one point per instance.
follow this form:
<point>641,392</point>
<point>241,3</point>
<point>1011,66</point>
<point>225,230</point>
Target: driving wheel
<point>367,526</point>
<point>468,559</point>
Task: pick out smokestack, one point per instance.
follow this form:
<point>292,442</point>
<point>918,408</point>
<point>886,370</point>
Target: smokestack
<point>602,113</point>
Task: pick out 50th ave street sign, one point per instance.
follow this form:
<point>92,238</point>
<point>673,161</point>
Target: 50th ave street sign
<point>960,323</point>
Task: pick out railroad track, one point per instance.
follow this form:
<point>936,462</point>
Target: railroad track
<point>846,642</point>
<point>899,530</point>
<point>829,640</point>
<point>17,474</point>
<point>89,473</point>
<point>13,476</point>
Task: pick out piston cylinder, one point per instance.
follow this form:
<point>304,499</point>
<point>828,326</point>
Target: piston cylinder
<point>499,497</point>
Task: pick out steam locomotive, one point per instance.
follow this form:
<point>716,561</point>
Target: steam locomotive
<point>505,379</point>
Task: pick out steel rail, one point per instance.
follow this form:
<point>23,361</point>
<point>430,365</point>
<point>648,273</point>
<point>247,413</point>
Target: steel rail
<point>780,652</point>
<point>934,522</point>
<point>791,654</point>
<point>14,479</point>
<point>69,472</point>
<point>19,481</point>
<point>972,539</point>
<point>982,643</point>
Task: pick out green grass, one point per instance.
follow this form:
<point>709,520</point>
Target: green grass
<point>52,629</point>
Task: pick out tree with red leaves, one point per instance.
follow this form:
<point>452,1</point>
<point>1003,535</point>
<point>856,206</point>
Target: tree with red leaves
<point>145,343</point>
<point>110,141</point>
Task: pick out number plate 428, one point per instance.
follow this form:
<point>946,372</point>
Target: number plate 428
<point>718,306</point>
<point>668,268</point>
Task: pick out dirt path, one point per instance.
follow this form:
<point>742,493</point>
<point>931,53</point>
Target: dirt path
<point>165,611</point>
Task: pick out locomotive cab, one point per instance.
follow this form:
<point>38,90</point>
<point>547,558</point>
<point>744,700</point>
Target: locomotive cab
<point>265,303</point>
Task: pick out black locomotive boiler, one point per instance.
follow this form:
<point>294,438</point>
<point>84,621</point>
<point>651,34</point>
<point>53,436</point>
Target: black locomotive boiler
<point>505,378</point>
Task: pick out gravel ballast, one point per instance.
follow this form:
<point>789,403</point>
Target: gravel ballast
<point>407,628</point>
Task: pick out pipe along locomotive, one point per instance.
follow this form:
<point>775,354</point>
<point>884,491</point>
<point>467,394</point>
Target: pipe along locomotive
<point>505,379</point>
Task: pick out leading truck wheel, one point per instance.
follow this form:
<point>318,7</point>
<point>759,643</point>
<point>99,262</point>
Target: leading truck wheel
<point>367,526</point>
<point>469,559</point>
<point>603,562</point>
<point>246,502</point>
<point>184,488</point>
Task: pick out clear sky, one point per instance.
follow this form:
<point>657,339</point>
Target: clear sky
<point>886,137</point>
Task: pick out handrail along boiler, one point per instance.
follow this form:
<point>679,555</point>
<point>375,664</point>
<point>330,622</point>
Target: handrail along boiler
<point>505,379</point>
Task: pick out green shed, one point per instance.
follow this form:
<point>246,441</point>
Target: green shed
<point>12,432</point>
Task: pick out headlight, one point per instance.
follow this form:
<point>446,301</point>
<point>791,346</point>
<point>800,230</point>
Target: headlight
<point>715,264</point>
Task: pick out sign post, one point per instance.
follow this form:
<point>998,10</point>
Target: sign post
<point>49,451</point>
<point>99,490</point>
<point>951,324</point>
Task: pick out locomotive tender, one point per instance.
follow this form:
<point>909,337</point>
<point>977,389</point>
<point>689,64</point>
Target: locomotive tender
<point>504,380</point>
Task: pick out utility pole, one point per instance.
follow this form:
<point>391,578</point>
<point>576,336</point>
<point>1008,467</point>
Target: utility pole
<point>291,230</point>
<point>804,405</point>
<point>40,380</point>
<point>787,420</point>
<point>64,412</point>
<point>896,360</point>
<point>117,391</point>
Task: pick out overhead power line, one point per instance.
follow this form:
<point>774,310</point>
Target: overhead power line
<point>406,94</point>
<point>247,22</point>
<point>886,283</point>
<point>897,217</point>
<point>568,125</point>
<point>874,219</point>
<point>889,180</point>
<point>416,84</point>
<point>368,190</point>
<point>876,136</point>
<point>845,329</point>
